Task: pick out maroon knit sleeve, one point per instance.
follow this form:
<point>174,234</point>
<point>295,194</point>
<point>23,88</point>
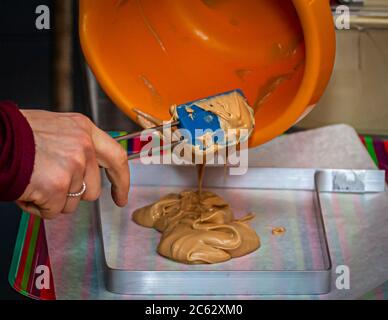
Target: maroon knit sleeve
<point>17,152</point>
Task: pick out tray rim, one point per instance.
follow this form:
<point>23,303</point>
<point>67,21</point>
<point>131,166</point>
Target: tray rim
<point>137,282</point>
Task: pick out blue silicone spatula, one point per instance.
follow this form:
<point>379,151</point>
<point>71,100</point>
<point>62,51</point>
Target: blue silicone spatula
<point>191,118</point>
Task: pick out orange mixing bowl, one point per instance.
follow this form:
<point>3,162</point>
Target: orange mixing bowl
<point>150,54</point>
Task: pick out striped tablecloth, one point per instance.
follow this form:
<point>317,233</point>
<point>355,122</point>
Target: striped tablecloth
<point>31,248</point>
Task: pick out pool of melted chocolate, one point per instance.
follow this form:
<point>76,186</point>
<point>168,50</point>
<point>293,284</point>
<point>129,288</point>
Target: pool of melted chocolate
<point>198,227</point>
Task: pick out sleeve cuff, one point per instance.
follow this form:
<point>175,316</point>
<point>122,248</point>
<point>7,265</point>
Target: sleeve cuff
<point>17,153</point>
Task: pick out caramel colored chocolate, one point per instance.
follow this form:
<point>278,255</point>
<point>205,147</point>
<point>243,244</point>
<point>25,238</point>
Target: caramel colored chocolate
<point>198,228</point>
<point>232,110</point>
<point>278,231</point>
<point>201,172</point>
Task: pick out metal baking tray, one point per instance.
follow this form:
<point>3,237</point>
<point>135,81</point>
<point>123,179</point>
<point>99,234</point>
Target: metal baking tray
<point>296,263</point>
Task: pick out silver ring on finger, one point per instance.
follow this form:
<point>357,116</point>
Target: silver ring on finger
<point>78,194</point>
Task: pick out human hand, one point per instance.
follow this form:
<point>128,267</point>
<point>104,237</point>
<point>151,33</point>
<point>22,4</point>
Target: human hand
<point>69,151</point>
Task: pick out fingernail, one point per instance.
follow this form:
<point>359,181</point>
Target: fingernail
<point>123,202</point>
